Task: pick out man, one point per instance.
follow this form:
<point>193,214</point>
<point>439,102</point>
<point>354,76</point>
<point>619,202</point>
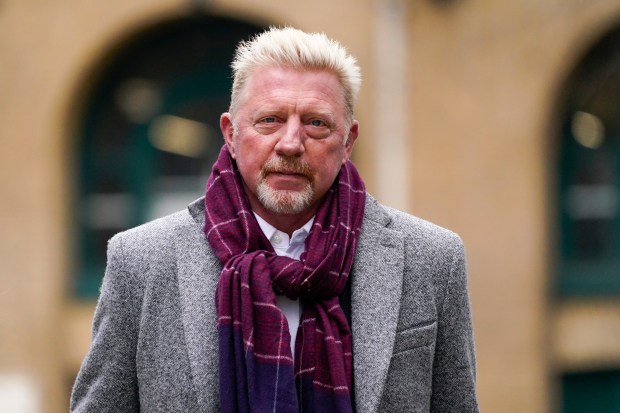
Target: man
<point>199,310</point>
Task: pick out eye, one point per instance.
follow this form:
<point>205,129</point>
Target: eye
<point>317,122</point>
<point>268,119</point>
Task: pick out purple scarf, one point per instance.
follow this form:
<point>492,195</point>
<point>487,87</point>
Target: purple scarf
<point>257,370</point>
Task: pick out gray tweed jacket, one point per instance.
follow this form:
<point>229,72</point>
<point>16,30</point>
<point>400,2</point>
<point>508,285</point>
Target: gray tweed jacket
<point>155,345</point>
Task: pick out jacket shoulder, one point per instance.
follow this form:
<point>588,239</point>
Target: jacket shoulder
<point>423,232</point>
<point>419,233</point>
<point>156,244</point>
<point>158,229</point>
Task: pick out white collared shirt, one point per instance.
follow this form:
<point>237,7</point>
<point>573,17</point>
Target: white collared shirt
<point>291,247</point>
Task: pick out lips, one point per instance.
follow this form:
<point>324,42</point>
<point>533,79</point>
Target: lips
<point>291,173</point>
<point>288,178</point>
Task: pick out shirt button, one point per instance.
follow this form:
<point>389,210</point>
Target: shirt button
<point>277,239</point>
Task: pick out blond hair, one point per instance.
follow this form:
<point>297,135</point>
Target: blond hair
<point>289,47</point>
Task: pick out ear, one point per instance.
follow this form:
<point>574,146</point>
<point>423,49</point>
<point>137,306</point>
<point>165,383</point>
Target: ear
<point>351,137</point>
<point>226,126</point>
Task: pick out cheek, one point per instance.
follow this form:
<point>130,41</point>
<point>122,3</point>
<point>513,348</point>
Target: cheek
<point>249,163</point>
<point>327,170</point>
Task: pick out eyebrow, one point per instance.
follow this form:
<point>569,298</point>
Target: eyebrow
<point>266,110</point>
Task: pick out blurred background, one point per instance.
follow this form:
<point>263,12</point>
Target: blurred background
<point>497,119</point>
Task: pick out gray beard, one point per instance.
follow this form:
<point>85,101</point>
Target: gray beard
<point>284,202</point>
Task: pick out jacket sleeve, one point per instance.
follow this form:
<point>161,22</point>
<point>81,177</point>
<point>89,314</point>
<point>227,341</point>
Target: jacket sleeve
<point>107,380</point>
<point>454,370</point>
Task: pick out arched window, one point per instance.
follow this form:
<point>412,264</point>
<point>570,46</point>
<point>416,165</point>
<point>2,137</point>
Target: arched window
<point>589,174</point>
<point>589,215</point>
<point>150,133</point>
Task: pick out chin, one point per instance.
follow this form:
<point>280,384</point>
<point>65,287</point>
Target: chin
<point>284,202</point>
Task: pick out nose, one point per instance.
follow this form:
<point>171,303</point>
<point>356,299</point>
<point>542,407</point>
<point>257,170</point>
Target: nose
<point>291,141</point>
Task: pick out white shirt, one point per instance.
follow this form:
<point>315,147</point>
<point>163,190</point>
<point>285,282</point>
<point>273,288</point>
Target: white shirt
<point>291,247</point>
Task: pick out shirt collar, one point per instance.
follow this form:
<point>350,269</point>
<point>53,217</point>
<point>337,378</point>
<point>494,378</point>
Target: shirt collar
<point>269,230</point>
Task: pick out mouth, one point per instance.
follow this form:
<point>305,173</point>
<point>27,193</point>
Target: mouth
<point>287,180</point>
<point>288,173</point>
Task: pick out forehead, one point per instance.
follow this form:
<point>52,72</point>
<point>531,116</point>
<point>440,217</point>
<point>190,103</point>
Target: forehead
<point>278,85</point>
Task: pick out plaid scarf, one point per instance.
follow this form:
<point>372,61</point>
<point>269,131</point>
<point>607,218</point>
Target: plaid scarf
<point>257,370</point>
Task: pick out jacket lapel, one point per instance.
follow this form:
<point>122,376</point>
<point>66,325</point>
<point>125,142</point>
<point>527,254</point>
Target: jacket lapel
<point>198,272</point>
<point>375,302</point>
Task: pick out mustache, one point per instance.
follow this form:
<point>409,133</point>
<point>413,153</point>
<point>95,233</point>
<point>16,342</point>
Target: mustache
<point>286,165</point>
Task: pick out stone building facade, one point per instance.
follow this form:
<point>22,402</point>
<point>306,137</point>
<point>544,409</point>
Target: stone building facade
<point>464,113</point>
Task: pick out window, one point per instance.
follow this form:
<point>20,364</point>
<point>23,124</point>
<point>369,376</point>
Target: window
<point>589,178</point>
<point>150,132</point>
<point>592,392</point>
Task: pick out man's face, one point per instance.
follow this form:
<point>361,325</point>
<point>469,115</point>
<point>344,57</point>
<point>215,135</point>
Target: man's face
<point>289,137</point>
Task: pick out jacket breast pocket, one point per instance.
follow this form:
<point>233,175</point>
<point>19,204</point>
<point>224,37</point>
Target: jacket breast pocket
<point>420,335</point>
